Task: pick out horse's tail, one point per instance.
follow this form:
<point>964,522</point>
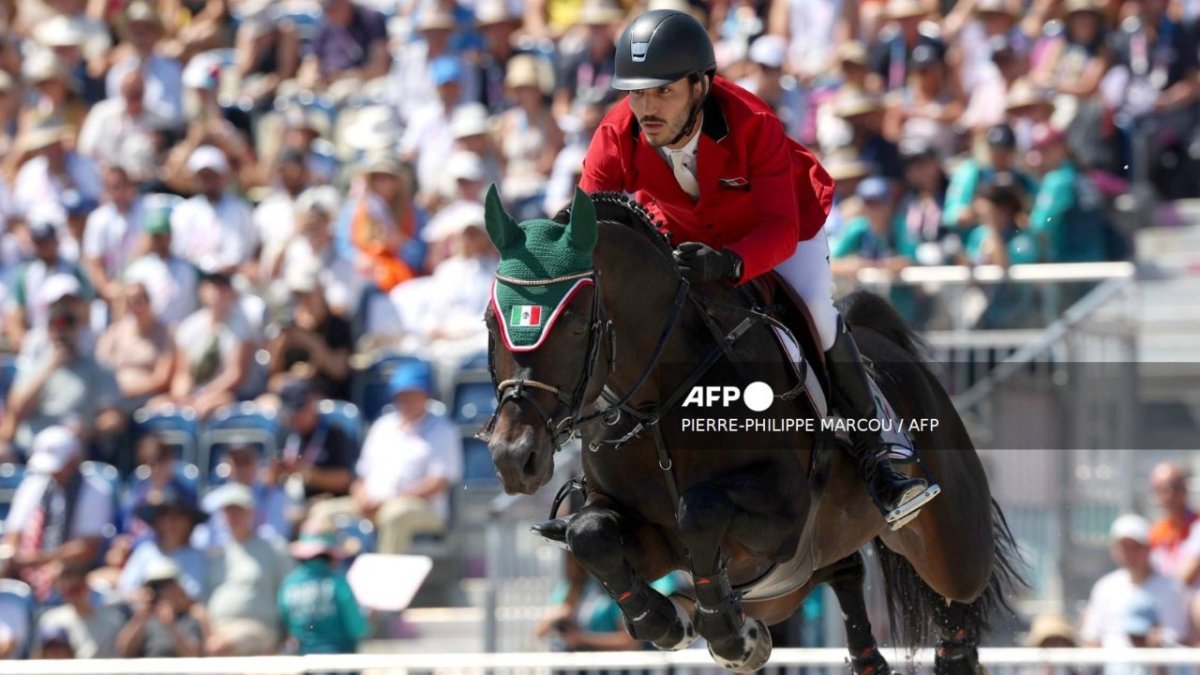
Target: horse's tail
<point>913,606</point>
<point>868,310</point>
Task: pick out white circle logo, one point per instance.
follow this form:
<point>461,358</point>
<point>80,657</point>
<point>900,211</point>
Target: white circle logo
<point>758,396</point>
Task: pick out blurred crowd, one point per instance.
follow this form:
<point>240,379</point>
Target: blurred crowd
<point>211,202</point>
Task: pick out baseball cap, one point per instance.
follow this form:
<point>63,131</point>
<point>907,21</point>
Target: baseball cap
<point>445,69</point>
<point>158,221</point>
<point>915,147</point>
<point>207,157</point>
<point>324,199</point>
<point>769,50</point>
<point>1001,135</point>
<point>1130,526</point>
<point>873,189</point>
<point>59,286</point>
<point>231,494</point>
<point>464,165</point>
<point>452,219</point>
<point>160,570</point>
<point>470,119</point>
<point>53,447</point>
<point>295,394</point>
<point>77,204</point>
<point>49,634</point>
<point>313,544</point>
<point>411,376</point>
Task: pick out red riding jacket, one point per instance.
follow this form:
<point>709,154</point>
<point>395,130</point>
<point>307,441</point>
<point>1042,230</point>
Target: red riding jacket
<point>760,191</point>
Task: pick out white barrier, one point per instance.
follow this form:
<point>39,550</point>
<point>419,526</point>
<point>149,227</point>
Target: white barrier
<point>684,661</point>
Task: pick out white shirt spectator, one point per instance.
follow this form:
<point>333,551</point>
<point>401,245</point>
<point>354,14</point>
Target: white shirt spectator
<point>812,25</point>
<point>112,237</point>
<point>93,506</point>
<point>93,636</point>
<point>275,224</point>
<point>429,138</point>
<point>34,184</point>
<point>195,334</point>
<point>337,276</point>
<point>1112,594</point>
<point>164,85</point>
<point>171,284</point>
<point>221,236</point>
<point>110,133</point>
<point>396,456</point>
<point>14,625</point>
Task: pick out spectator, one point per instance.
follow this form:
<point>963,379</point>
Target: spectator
<point>409,462</point>
<point>207,124</point>
<point>1169,483</point>
<point>351,44</point>
<point>120,132</point>
<point>54,642</point>
<point>496,24</point>
<point>384,222</point>
<point>767,80</point>
<point>587,72</point>
<point>319,610</point>
<point>58,514</point>
<point>58,379</point>
<point>921,203</point>
<point>267,54</point>
<point>864,114</point>
<point>1074,62</point>
<point>875,239</point>
<point>428,140</point>
<point>305,132</point>
<point>166,620</point>
<point>30,302</point>
<point>138,349</point>
<point>1067,214</point>
<point>161,477</point>
<point>275,217</point>
<point>315,209</point>
<point>114,232</point>
<point>1153,88</point>
<point>140,30</point>
<point>170,280</point>
<point>316,454</point>
<point>8,89</point>
<point>48,169</point>
<point>274,510</point>
<point>311,337</point>
<point>413,82</point>
<point>15,630</point>
<point>986,104</point>
<point>891,56</point>
<point>91,629</point>
<point>1104,620</point>
<point>214,348</point>
<point>999,239</point>
<point>847,171</point>
<point>246,575</point>
<point>1051,631</point>
<point>929,107</point>
<point>826,128</point>
<point>528,136</point>
<point>213,229</point>
<point>173,515</point>
<point>75,210</point>
<point>972,174</point>
<point>814,32</point>
<point>472,129</point>
<point>52,95</point>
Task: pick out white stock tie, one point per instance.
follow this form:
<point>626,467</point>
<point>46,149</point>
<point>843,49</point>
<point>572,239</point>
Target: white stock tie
<point>683,175</point>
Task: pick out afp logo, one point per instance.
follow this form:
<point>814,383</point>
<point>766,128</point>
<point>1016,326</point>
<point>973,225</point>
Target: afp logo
<point>757,396</point>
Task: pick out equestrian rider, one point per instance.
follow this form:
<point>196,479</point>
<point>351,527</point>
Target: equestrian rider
<point>712,162</point>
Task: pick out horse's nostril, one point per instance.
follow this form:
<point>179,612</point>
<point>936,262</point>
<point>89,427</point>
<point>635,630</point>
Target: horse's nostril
<point>530,467</point>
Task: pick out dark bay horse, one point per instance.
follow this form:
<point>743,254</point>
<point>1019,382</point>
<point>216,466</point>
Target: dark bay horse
<point>756,519</point>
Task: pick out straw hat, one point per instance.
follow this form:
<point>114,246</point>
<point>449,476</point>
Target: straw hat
<point>382,163</point>
<point>43,66</point>
<point>599,13</point>
<point>854,103</point>
<point>43,136</point>
<point>435,20</point>
<point>1024,95</point>
<point>1003,7</point>
<point>1047,626</point>
<point>905,9</point>
<point>852,51</point>
<point>528,70</point>
<point>1079,6</point>
<point>60,31</point>
<point>494,12</point>
<point>845,165</point>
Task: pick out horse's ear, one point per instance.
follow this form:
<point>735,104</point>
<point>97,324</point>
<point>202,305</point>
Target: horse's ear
<point>582,231</point>
<point>501,227</point>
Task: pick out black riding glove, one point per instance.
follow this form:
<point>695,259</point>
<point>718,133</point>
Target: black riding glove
<point>700,263</point>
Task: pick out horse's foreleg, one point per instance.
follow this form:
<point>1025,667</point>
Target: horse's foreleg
<point>958,651</point>
<point>735,642</point>
<point>846,578</point>
<point>595,537</point>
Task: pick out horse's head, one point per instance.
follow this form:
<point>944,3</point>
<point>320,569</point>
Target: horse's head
<point>549,338</point>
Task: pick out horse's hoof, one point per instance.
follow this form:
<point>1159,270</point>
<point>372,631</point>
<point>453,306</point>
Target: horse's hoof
<point>870,662</point>
<point>756,648</point>
<point>683,634</point>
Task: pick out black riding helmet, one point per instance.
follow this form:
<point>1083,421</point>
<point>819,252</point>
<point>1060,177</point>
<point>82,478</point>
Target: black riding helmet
<point>660,47</point>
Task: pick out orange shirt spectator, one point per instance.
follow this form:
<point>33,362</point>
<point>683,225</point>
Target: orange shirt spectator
<point>1169,482</point>
<point>383,220</point>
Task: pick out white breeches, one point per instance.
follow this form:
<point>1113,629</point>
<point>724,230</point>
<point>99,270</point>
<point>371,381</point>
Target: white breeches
<point>808,273</point>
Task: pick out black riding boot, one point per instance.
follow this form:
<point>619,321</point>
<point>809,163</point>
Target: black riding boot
<point>896,495</point>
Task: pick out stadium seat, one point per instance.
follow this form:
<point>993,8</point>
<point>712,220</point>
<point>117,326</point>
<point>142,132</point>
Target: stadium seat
<point>357,535</point>
<point>478,470</point>
<point>8,374</point>
<point>11,476</point>
<point>177,427</point>
<point>474,401</point>
<point>371,384</point>
<point>243,422</point>
<point>17,598</point>
<point>109,474</point>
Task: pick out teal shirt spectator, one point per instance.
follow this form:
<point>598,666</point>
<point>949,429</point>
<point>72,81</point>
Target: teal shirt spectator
<point>965,182</point>
<point>1022,248</point>
<point>1067,217</point>
<point>857,238</point>
<point>598,613</point>
<point>319,610</point>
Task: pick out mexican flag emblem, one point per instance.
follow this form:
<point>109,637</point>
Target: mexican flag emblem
<point>526,316</point>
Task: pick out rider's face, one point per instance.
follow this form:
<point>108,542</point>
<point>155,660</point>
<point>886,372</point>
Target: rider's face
<point>662,112</point>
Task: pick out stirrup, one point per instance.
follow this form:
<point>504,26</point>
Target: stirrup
<point>910,505</point>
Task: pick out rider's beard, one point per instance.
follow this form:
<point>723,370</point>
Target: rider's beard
<point>671,127</point>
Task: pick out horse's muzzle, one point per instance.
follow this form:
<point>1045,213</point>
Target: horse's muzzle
<point>525,463</point>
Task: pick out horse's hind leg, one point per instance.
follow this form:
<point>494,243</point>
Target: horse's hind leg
<point>959,624</point>
<point>735,641</point>
<point>596,539</point>
<point>846,578</point>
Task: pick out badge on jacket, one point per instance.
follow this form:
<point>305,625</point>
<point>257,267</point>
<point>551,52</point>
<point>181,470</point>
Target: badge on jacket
<point>738,183</point>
